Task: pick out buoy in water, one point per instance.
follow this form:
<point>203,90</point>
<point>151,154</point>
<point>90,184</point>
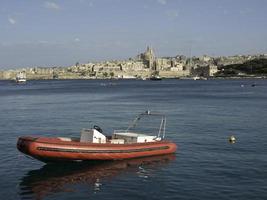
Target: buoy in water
<point>232,139</point>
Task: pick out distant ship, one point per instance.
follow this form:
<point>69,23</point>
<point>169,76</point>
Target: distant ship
<point>199,78</point>
<point>155,78</point>
<point>196,78</point>
<point>21,77</point>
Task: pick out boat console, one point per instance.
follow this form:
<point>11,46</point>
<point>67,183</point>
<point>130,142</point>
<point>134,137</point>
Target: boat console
<point>92,135</point>
<point>128,136</point>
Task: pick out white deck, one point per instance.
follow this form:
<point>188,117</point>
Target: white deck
<point>130,134</point>
<point>131,137</point>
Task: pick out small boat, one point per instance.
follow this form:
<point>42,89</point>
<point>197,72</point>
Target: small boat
<point>94,145</point>
<point>155,78</point>
<point>21,77</point>
<point>195,78</point>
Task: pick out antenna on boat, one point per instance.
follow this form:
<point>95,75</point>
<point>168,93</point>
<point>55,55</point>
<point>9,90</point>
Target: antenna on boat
<point>162,126</point>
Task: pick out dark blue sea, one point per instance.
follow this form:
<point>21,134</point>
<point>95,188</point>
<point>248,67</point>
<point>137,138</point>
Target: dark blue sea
<point>201,116</point>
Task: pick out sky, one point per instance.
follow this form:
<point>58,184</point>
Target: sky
<point>63,32</point>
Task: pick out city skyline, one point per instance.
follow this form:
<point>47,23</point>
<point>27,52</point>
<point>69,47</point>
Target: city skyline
<point>61,33</point>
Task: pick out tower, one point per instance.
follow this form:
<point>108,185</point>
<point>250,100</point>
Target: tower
<point>149,58</point>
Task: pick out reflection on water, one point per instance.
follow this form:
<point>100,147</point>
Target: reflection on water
<point>54,178</point>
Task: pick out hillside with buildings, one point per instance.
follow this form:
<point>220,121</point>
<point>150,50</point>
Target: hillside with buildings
<point>255,67</point>
<point>144,65</point>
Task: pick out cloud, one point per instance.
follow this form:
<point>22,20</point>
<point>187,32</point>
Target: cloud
<point>89,3</point>
<point>162,2</point>
<point>245,11</point>
<point>77,40</point>
<point>225,12</point>
<point>51,5</point>
<point>43,42</point>
<point>172,14</point>
<point>12,20</point>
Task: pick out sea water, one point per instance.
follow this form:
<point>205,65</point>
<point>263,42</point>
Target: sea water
<point>201,116</point>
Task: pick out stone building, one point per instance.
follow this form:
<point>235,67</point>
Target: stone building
<point>204,71</point>
<point>148,58</point>
<point>213,69</point>
<point>163,64</point>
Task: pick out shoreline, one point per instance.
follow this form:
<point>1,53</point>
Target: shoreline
<point>163,78</point>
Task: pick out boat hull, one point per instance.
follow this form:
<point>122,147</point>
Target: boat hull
<point>53,149</point>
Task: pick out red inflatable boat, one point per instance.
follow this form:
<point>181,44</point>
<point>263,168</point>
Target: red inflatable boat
<point>94,145</point>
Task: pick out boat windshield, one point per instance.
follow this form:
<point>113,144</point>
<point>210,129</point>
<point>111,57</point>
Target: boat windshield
<point>149,123</point>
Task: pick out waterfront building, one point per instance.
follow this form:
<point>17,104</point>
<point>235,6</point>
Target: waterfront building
<point>213,69</point>
<point>142,66</point>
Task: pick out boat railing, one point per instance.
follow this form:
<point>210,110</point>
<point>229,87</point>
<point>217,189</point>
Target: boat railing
<point>161,131</point>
